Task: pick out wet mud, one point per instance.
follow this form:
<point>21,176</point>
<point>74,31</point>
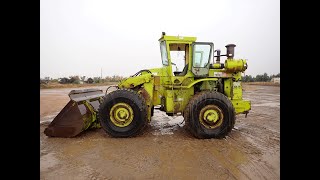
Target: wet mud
<point>166,150</point>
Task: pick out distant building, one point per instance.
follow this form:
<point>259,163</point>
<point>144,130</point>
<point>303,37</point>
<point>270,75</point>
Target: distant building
<point>275,80</point>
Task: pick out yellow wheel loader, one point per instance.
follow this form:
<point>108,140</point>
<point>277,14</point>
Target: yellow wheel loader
<point>206,92</point>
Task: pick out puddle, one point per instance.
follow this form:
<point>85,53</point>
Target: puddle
<point>48,161</point>
<point>165,125</point>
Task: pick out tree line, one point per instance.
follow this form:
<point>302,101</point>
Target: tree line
<point>81,79</point>
<point>259,78</point>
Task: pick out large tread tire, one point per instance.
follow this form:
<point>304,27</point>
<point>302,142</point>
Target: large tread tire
<point>192,112</point>
<point>138,105</point>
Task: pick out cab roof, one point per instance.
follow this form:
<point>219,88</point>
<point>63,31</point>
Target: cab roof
<point>178,38</point>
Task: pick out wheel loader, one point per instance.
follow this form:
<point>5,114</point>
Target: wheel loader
<point>192,83</point>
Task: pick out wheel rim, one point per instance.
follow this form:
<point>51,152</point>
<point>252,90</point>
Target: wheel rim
<point>121,114</point>
<point>211,116</point>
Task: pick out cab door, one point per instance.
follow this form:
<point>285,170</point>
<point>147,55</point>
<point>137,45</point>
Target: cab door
<point>201,55</point>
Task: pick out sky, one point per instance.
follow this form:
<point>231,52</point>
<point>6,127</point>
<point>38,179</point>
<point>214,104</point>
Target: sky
<point>83,37</point>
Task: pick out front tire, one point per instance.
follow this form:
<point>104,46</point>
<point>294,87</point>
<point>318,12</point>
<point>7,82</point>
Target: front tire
<point>209,115</point>
<point>123,113</point>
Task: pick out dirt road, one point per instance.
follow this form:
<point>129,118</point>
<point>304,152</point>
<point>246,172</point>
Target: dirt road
<point>166,150</point>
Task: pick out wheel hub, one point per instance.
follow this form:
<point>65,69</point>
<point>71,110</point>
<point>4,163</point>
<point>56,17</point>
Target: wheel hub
<point>211,116</point>
<point>121,114</point>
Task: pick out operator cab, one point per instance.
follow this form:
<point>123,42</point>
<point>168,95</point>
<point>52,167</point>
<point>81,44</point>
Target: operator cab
<point>175,54</point>
<point>179,59</point>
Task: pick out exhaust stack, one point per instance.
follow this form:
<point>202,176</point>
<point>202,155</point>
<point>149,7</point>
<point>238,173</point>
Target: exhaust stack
<point>230,51</point>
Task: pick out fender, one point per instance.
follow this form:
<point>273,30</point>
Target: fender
<point>200,80</point>
<point>132,82</point>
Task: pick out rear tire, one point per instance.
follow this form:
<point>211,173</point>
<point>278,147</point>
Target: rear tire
<point>209,115</point>
<point>123,113</point>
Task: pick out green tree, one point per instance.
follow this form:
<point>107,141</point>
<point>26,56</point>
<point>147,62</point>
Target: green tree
<point>90,80</point>
<point>64,80</point>
<point>74,79</point>
<point>96,80</point>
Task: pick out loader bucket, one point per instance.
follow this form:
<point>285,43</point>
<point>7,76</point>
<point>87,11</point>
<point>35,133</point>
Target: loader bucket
<point>78,115</point>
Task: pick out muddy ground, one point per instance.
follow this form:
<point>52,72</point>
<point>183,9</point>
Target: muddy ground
<point>166,150</point>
